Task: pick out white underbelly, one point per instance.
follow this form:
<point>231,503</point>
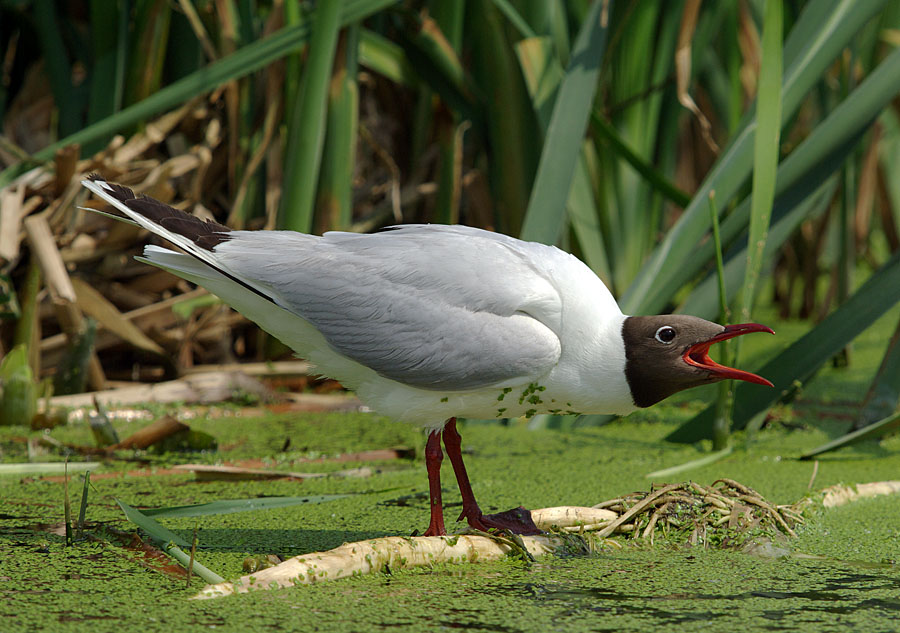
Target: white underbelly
<point>511,399</point>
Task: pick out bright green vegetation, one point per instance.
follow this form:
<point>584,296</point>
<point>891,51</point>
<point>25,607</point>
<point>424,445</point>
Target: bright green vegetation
<point>96,586</point>
<point>102,585</point>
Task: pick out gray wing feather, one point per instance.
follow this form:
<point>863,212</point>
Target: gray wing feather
<point>443,308</point>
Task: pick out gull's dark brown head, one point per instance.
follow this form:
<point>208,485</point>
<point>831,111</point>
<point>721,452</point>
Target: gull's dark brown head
<point>668,353</point>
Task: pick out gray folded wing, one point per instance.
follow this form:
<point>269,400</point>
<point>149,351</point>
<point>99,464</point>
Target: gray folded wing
<point>441,308</point>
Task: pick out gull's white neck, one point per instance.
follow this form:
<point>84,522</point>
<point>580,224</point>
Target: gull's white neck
<point>591,369</point>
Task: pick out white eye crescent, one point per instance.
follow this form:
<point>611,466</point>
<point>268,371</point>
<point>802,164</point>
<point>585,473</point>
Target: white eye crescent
<point>665,334</point>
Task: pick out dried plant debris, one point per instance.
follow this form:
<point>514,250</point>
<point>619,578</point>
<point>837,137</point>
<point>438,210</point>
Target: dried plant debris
<point>725,514</point>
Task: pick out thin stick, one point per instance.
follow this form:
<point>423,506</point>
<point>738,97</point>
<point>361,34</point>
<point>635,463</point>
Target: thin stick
<point>67,508</point>
<point>814,473</point>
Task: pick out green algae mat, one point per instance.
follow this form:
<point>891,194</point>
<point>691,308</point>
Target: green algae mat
<point>842,571</point>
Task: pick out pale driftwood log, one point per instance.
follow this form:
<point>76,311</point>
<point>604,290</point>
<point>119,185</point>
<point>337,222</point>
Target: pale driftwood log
<point>840,495</point>
<point>364,557</point>
<point>573,518</point>
<point>202,388</point>
<point>43,245</point>
<point>150,435</point>
<point>205,388</point>
<point>275,368</point>
<point>62,293</point>
<point>396,552</point>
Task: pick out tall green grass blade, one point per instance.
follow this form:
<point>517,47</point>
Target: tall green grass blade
<point>765,164</point>
<point>293,69</point>
<point>875,430</point>
<point>438,68</point>
<point>151,21</point>
<point>559,28</point>
<point>243,62</point>
<point>150,526</point>
<point>230,506</point>
<point>186,560</point>
<point>884,393</point>
<point>449,16</point>
<point>507,121</point>
<point>799,362</point>
<point>379,54</point>
<point>543,74</point>
<point>765,151</point>
<point>82,509</point>
<point>659,182</point>
<point>449,176</point>
<point>67,98</point>
<point>631,81</point>
<point>724,313</point>
<point>517,21</point>
<point>118,84</point>
<point>732,62</point>
<point>104,40</point>
<point>306,123</point>
<point>170,542</point>
<point>335,193</point>
<point>545,217</point>
<point>583,216</point>
<point>819,34</point>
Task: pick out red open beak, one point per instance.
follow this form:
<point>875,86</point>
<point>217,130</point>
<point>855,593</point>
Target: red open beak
<point>698,354</point>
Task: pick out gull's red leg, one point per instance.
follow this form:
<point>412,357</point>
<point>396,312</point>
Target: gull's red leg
<point>433,458</point>
<point>517,520</point>
<point>470,509</point>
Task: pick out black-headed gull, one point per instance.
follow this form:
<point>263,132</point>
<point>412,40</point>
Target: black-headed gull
<point>429,322</point>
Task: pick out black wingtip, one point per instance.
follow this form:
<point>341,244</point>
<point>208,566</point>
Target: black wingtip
<point>205,234</point>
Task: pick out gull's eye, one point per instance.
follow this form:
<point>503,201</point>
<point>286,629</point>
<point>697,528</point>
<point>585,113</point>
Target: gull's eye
<point>665,334</point>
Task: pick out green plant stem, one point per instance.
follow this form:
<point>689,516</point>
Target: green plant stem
<point>306,126</point>
<point>27,325</point>
<point>725,401</point>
